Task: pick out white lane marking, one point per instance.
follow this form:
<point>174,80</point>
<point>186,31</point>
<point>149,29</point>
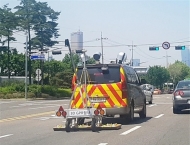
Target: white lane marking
<point>32,104</point>
<point>159,116</point>
<point>152,105</point>
<point>102,143</point>
<point>40,102</point>
<point>1,102</point>
<point>156,97</point>
<point>164,103</point>
<point>130,130</point>
<point>6,135</point>
<point>14,106</point>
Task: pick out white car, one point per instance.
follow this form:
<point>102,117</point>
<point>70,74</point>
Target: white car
<point>148,91</point>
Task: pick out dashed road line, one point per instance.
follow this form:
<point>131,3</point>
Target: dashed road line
<point>25,116</point>
<point>156,97</point>
<point>5,135</point>
<point>130,130</point>
<point>102,143</point>
<point>159,116</point>
<point>161,103</point>
<point>152,105</point>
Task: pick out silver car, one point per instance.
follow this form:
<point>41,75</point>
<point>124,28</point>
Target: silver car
<point>181,96</point>
<point>148,91</point>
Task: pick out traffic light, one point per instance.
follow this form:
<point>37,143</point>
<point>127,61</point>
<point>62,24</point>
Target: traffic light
<point>153,48</point>
<point>179,47</point>
<point>56,52</point>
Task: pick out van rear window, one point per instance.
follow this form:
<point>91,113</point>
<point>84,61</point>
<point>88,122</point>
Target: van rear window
<point>98,76</point>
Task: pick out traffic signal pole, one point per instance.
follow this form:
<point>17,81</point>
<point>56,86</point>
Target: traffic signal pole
<point>166,59</point>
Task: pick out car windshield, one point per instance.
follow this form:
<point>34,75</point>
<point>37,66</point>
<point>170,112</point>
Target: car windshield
<point>96,75</point>
<point>184,85</point>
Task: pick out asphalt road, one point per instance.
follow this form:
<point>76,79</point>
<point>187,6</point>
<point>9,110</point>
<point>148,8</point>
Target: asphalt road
<point>31,123</point>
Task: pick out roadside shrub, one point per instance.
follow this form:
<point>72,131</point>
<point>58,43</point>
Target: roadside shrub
<point>36,89</point>
<point>63,92</point>
<point>46,89</point>
<point>13,90</point>
<point>31,95</point>
<point>45,96</point>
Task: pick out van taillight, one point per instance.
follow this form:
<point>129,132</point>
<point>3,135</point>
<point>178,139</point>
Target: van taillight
<point>123,85</point>
<point>73,82</point>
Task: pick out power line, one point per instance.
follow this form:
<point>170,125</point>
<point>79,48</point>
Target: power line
<point>145,53</point>
<point>154,58</point>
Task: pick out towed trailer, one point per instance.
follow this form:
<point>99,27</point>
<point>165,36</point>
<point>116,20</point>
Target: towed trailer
<point>75,116</point>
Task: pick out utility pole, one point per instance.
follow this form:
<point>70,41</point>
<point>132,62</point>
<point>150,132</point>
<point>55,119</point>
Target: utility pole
<point>132,55</point>
<point>132,52</point>
<point>167,59</point>
<point>48,67</point>
<point>102,47</point>
<point>26,65</point>
<point>8,65</point>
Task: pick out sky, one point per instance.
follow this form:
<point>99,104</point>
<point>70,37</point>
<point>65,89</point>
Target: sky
<point>141,23</point>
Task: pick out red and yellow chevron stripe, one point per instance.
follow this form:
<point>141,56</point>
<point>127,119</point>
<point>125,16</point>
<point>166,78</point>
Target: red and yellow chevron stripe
<point>114,94</point>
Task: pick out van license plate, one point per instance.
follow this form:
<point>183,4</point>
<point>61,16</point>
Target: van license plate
<point>97,100</point>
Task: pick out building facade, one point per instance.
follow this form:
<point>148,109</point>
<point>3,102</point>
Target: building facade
<point>76,40</point>
<point>136,62</point>
<point>185,56</point>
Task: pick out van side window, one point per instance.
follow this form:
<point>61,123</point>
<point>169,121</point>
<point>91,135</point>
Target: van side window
<point>133,76</point>
<point>128,74</point>
<point>138,80</point>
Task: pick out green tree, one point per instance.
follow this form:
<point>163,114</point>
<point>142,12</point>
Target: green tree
<point>16,63</point>
<point>25,12</point>
<point>45,26</point>
<point>62,79</point>
<point>8,23</point>
<point>178,71</point>
<point>67,60</point>
<point>41,19</point>
<point>77,60</point>
<point>157,75</point>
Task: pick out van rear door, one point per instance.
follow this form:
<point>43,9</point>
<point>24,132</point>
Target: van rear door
<point>103,85</point>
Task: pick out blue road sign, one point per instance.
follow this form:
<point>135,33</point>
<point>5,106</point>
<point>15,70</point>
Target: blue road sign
<point>37,57</point>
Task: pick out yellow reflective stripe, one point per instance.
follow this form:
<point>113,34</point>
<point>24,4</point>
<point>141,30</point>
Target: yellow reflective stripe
<point>112,97</point>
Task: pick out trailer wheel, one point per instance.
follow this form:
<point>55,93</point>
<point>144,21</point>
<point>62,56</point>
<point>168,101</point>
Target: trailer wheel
<point>93,124</point>
<point>67,125</point>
